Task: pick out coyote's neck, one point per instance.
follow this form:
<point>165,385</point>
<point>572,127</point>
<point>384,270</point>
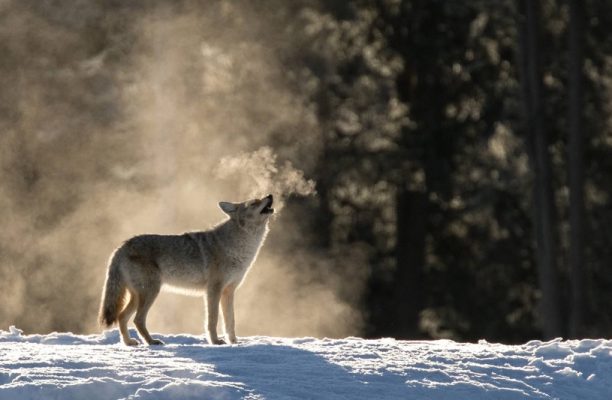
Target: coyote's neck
<point>240,242</point>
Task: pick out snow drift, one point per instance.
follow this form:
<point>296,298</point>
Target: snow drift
<point>68,366</point>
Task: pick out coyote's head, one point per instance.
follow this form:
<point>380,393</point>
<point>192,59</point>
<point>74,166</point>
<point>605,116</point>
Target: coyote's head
<point>251,212</point>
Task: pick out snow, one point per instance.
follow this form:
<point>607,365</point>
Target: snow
<point>68,366</point>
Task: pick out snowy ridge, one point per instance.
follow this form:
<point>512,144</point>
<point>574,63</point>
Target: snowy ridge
<point>68,366</point>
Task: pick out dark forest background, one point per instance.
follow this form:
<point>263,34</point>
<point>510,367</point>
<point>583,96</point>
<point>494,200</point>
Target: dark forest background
<point>462,147</point>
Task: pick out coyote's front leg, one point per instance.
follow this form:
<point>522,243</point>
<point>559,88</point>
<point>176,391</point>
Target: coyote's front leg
<point>213,295</point>
<point>227,306</point>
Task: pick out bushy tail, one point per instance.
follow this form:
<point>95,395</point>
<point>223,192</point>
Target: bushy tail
<point>112,297</point>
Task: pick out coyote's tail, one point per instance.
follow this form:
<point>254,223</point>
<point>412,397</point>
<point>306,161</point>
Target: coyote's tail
<point>112,297</point>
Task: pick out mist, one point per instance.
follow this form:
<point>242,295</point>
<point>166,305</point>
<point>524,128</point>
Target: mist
<point>129,120</point>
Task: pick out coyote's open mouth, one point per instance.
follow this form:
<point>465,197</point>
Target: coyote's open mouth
<point>268,208</point>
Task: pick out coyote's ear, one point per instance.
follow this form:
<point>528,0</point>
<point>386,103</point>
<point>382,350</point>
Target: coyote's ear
<point>228,208</point>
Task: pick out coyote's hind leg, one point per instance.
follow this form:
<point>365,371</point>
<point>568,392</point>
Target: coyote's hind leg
<point>123,318</point>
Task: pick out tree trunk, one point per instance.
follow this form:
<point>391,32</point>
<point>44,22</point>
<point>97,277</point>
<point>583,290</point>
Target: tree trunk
<point>537,142</point>
<point>576,169</point>
<point>410,257</point>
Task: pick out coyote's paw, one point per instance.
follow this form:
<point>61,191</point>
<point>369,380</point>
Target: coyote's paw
<point>131,342</point>
<point>216,341</point>
<point>156,342</point>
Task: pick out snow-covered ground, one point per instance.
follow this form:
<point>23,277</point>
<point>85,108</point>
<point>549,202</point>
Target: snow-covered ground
<point>67,366</point>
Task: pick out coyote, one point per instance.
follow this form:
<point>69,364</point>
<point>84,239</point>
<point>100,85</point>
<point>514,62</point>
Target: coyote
<point>211,263</point>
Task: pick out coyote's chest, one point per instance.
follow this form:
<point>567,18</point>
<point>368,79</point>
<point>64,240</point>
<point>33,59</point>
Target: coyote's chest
<point>243,254</point>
